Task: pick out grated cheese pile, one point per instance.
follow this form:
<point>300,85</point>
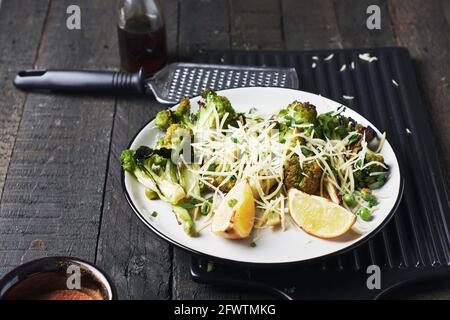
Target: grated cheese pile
<point>253,151</point>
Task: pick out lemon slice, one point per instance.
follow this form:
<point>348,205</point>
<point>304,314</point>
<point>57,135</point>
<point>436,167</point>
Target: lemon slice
<point>319,216</point>
<point>235,215</point>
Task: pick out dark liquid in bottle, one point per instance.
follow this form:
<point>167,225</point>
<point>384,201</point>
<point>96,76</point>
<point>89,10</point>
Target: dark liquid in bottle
<point>141,44</point>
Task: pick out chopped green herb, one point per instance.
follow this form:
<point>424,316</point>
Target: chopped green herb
<point>253,244</point>
<point>210,266</point>
<point>290,290</point>
<point>189,203</point>
<point>232,203</point>
<point>212,167</point>
<point>235,140</point>
<point>154,214</point>
<point>353,138</point>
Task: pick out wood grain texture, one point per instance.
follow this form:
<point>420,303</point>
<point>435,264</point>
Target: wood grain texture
<point>256,24</point>
<point>138,261</point>
<point>446,8</point>
<point>204,24</point>
<point>310,25</point>
<point>56,199</point>
<point>53,191</point>
<point>170,12</point>
<point>185,288</point>
<point>17,51</point>
<point>352,17</point>
<point>422,27</point>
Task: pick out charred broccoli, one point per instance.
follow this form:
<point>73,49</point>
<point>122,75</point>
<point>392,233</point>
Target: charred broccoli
<point>206,115</point>
<point>336,126</point>
<point>306,179</point>
<point>296,113</point>
<point>155,171</point>
<point>373,176</point>
<point>164,119</point>
<point>174,136</point>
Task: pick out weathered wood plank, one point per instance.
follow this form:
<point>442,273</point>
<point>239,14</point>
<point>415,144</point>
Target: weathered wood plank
<point>204,24</point>
<point>352,17</point>
<point>256,24</point>
<point>17,51</point>
<point>170,11</point>
<point>422,27</point>
<point>446,8</point>
<point>138,261</point>
<point>186,289</point>
<point>52,196</point>
<point>310,25</point>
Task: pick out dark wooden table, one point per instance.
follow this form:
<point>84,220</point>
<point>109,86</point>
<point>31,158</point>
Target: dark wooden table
<point>60,185</point>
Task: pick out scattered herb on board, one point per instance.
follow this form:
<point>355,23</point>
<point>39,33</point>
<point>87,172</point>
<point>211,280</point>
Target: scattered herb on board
<point>290,290</point>
<point>210,266</point>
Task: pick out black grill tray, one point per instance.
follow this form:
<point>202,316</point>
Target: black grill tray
<point>415,244</point>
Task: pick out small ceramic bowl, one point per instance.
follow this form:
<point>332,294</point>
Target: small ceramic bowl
<point>57,278</point>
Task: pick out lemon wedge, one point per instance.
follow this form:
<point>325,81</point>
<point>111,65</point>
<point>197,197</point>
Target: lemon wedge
<point>235,215</point>
<point>319,216</point>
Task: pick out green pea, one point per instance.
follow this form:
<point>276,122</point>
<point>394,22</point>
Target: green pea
<point>349,199</point>
<point>365,214</point>
<point>232,203</point>
<point>204,209</point>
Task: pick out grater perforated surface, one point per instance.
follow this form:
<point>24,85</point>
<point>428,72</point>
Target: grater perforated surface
<point>180,80</point>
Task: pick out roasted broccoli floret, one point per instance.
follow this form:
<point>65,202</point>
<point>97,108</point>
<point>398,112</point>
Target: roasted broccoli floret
<point>297,113</point>
<point>183,113</point>
<point>174,136</point>
<point>206,115</point>
<point>336,126</point>
<point>164,119</point>
<point>373,176</point>
<point>306,179</point>
<point>155,171</point>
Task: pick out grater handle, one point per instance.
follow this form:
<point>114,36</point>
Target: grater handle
<point>81,81</point>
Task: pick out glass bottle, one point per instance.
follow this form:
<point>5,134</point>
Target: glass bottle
<point>142,36</point>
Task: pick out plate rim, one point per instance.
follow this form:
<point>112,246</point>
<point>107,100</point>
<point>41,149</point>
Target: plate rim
<point>266,264</point>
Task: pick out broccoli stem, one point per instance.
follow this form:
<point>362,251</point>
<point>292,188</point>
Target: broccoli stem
<point>185,219</point>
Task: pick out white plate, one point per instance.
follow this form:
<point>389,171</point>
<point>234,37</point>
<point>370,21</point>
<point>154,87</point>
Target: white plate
<point>274,247</point>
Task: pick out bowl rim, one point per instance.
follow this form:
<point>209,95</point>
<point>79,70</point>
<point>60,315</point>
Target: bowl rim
<point>15,276</point>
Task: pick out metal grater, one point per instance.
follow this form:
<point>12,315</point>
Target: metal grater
<point>169,85</point>
<point>179,80</point>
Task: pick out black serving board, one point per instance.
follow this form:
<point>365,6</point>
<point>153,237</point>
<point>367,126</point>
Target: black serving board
<point>415,245</point>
